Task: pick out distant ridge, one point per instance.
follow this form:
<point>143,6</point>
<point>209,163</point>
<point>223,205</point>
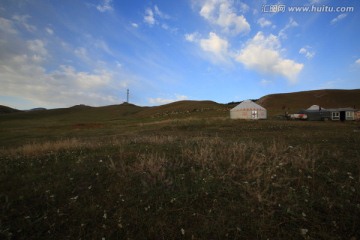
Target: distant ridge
<point>38,109</point>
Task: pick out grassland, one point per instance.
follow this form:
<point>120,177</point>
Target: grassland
<point>116,173</point>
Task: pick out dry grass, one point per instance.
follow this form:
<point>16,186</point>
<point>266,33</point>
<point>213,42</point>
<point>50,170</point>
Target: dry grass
<point>274,182</point>
<point>37,149</point>
<point>184,181</point>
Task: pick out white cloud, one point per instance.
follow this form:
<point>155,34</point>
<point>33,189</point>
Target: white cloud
<point>264,55</point>
<point>244,7</point>
<point>264,23</point>
<point>84,80</point>
<point>22,20</point>
<point>135,25</point>
<point>216,46</point>
<point>7,26</point>
<point>104,6</point>
<point>49,30</point>
<point>23,73</point>
<point>161,101</point>
<point>292,23</point>
<point>357,62</point>
<point>82,53</point>
<point>307,52</point>
<point>64,86</point>
<point>338,18</point>
<point>93,44</point>
<point>192,37</point>
<point>149,17</point>
<point>102,45</point>
<point>24,78</point>
<point>160,13</point>
<point>223,14</point>
<point>37,47</point>
<point>152,17</point>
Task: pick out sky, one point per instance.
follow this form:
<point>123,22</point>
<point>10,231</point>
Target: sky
<point>57,54</point>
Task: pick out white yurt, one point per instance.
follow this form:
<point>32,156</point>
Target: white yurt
<point>248,110</point>
<point>316,108</point>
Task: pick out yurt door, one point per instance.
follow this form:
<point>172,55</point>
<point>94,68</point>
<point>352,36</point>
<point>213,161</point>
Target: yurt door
<point>254,114</point>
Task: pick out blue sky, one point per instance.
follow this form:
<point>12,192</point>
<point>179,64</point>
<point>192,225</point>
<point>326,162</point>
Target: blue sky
<point>62,53</point>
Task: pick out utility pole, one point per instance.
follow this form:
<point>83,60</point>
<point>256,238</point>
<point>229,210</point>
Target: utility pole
<point>127,96</point>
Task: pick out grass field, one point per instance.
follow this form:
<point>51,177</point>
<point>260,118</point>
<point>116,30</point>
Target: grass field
<point>81,174</point>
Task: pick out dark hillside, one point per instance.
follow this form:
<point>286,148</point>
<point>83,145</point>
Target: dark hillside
<point>293,102</point>
<point>185,108</point>
<point>5,109</point>
<point>82,113</point>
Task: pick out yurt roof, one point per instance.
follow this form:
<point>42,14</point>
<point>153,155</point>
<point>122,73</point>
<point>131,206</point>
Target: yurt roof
<point>315,107</point>
<point>248,104</point>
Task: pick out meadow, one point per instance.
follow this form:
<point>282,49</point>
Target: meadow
<point>177,177</point>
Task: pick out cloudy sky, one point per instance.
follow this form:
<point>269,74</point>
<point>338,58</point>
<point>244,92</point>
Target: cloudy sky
<point>62,53</point>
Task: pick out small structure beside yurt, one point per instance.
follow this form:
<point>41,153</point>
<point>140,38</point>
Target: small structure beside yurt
<point>317,113</point>
<point>248,110</point>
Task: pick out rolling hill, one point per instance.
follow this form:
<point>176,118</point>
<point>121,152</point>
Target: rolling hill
<point>5,110</point>
<point>275,104</point>
<point>293,102</point>
<point>184,108</point>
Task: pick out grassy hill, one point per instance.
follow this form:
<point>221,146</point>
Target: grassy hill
<point>274,103</point>
<point>17,128</point>
<point>79,113</point>
<point>5,109</point>
<point>185,108</point>
<point>293,102</point>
